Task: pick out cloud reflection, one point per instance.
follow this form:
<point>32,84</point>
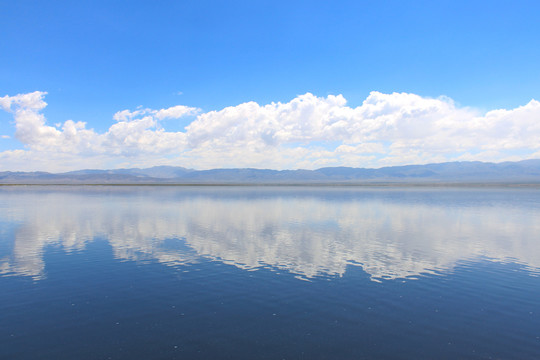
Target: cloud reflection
<point>317,232</point>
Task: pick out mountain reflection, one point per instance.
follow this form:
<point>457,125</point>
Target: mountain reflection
<point>390,233</point>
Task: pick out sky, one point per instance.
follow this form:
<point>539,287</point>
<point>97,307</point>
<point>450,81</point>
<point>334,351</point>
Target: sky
<point>267,84</point>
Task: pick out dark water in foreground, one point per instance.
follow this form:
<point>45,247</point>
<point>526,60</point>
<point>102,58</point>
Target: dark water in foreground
<point>269,273</point>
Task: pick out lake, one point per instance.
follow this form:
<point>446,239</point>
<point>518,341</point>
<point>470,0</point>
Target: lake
<point>187,272</point>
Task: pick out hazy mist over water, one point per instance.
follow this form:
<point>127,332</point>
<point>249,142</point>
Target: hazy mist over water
<point>387,241</point>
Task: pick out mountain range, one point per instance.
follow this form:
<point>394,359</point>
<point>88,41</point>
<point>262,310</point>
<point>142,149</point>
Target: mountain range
<point>473,172</point>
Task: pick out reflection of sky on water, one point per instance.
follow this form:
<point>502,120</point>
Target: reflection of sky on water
<point>390,233</point>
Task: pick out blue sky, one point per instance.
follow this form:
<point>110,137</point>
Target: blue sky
<point>96,58</point>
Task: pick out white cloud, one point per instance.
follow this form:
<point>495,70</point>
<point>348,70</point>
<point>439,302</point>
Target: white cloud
<point>174,112</point>
<point>307,132</point>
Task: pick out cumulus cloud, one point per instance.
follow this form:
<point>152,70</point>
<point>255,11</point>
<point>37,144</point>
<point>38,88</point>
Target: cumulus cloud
<point>174,112</point>
<point>306,132</point>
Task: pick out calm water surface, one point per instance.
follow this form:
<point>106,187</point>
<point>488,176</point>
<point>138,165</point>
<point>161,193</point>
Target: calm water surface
<point>269,273</point>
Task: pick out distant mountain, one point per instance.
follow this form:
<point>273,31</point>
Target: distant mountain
<point>527,171</point>
<point>158,172</point>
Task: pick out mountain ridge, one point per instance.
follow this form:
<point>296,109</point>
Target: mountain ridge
<point>525,171</point>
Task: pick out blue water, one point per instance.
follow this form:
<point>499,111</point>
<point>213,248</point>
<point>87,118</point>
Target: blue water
<point>269,273</point>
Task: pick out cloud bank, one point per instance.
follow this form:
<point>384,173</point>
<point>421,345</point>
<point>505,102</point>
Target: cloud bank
<point>307,132</point>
